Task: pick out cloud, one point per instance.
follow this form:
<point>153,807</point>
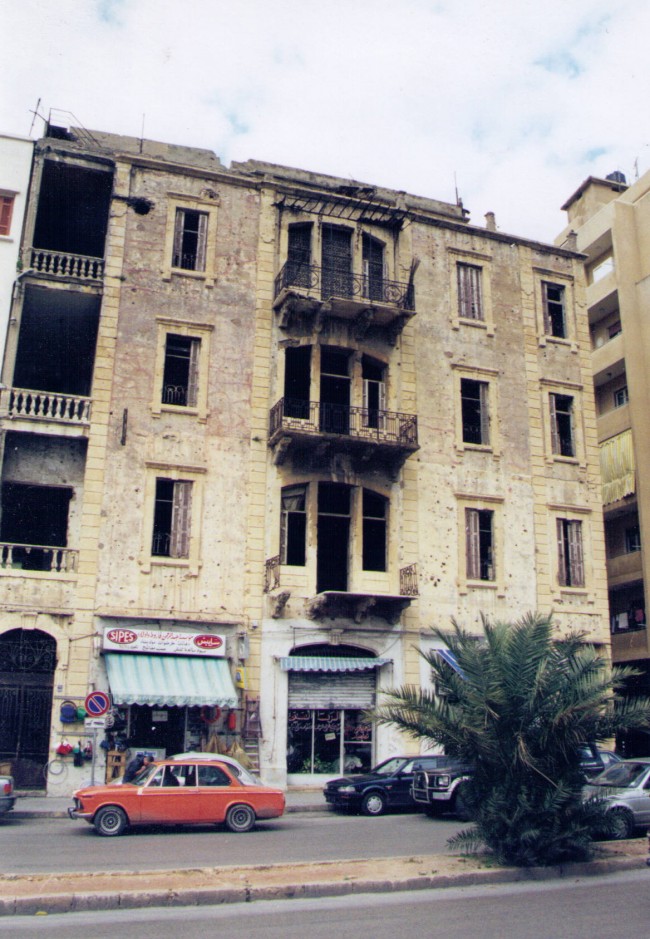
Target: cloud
<point>517,103</point>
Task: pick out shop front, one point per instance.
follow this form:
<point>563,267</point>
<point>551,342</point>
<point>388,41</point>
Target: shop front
<point>329,695</point>
<point>172,691</point>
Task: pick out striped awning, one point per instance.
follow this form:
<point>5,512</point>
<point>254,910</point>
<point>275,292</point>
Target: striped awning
<point>327,663</point>
<point>180,681</point>
<point>447,656</point>
<point>617,467</point>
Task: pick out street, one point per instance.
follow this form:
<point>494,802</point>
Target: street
<point>597,908</point>
<point>55,845</point>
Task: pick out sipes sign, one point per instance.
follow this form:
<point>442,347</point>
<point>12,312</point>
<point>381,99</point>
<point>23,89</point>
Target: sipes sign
<point>163,642</point>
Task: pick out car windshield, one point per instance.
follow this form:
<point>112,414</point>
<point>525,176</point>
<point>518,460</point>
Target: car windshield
<point>143,775</point>
<point>622,775</point>
<point>390,767</point>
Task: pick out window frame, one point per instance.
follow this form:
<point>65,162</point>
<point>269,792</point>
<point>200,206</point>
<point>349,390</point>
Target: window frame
<point>543,278</point>
<point>7,206</point>
<point>486,378</point>
<point>550,311</point>
<point>569,390</point>
<point>198,332</point>
<point>479,555</point>
<point>457,260</point>
<point>469,503</point>
<point>204,206</point>
<point>177,474</point>
<point>621,397</point>
<point>570,553</point>
<point>562,416</point>
<point>289,524</point>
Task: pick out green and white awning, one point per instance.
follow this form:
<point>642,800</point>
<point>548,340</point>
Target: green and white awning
<point>180,681</point>
<point>326,663</point>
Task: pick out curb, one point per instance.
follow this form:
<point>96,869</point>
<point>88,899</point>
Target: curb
<point>293,888</point>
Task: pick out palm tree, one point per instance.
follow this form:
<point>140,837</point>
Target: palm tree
<point>516,703</point>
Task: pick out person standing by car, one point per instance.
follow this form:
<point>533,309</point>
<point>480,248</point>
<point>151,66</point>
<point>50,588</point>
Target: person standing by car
<point>133,767</point>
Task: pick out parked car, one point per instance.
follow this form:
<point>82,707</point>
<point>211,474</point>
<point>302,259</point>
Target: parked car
<point>624,787</point>
<point>441,790</point>
<point>7,797</point>
<point>178,792</point>
<point>386,786</point>
<point>248,778</point>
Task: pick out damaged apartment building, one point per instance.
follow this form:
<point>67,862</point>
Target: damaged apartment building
<point>261,429</point>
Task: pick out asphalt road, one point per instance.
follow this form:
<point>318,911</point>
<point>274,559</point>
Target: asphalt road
<point>581,908</point>
<point>33,845</point>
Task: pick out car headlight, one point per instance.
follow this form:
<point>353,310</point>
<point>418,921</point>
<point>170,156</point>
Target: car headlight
<point>347,789</point>
<point>442,782</point>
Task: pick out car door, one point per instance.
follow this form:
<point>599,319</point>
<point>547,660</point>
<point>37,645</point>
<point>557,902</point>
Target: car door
<point>399,788</point>
<point>642,803</point>
<point>215,788</point>
<point>170,797</point>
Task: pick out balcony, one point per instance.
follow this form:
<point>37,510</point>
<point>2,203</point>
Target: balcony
<point>305,291</point>
<point>65,266</point>
<point>332,604</point>
<point>27,557</point>
<point>70,413</point>
<point>318,429</point>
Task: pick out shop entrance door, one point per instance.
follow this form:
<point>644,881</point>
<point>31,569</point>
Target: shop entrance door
<point>27,662</point>
<point>160,728</point>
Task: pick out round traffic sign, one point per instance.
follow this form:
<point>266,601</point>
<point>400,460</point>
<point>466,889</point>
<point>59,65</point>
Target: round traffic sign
<point>97,703</point>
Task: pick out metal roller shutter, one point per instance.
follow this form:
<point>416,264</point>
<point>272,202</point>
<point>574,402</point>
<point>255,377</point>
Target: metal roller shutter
<point>315,690</point>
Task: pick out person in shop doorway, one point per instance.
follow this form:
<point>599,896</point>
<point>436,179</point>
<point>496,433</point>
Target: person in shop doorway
<point>134,766</point>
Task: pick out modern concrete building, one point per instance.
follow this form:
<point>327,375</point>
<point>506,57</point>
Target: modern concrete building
<point>609,222</point>
<point>15,170</point>
<point>263,428</point>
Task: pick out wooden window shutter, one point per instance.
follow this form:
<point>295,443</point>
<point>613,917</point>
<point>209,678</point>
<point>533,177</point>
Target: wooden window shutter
<point>472,544</point>
<point>576,558</point>
<point>555,436</point>
<point>181,520</point>
<point>547,318</point>
<point>484,390</point>
<point>193,373</point>
<point>179,228</point>
<point>201,247</point>
<point>6,211</point>
<point>464,306</point>
<point>561,554</point>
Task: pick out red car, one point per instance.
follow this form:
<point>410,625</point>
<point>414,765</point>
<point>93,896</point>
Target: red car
<point>178,792</point>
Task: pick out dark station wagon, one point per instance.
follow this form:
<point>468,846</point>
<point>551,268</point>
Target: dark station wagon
<point>387,786</point>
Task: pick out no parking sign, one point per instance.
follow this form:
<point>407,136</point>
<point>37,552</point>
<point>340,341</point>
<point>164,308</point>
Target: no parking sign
<point>97,703</point>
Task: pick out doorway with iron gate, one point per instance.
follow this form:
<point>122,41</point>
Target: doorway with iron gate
<point>27,663</point>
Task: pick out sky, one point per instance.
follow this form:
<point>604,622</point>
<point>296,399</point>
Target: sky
<point>507,104</point>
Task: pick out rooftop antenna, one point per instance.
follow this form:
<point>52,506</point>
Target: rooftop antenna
<point>35,115</point>
<point>142,134</point>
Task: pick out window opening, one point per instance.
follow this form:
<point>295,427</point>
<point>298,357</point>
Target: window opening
<point>336,262</point>
<point>293,525</point>
<point>632,539</point>
<point>614,329</point>
<point>374,394</point>
<point>475,415</point>
<point>374,531</point>
<point>73,207</point>
<point>571,563</point>
<point>37,517</point>
<point>172,518</point>
<point>373,268</point>
<point>190,237</point>
<point>470,297</point>
<point>297,381</point>
<point>334,391</point>
<point>329,740</point>
<point>180,377</point>
<point>479,544</point>
<point>333,536</point>
<point>6,211</point>
<point>621,397</point>
<point>562,425</point>
<point>554,312</point>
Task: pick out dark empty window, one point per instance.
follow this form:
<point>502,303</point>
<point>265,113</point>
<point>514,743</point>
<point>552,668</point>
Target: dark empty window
<point>571,570</point>
<point>621,397</point>
<point>479,544</point>
<point>554,312</point>
<point>373,268</point>
<point>293,526</point>
<point>374,394</point>
<point>562,425</point>
<point>632,539</point>
<point>298,270</point>
<point>180,377</point>
<point>374,531</point>
<point>470,298</point>
<point>190,236</point>
<point>336,261</point>
<point>333,536</point>
<point>172,519</point>
<point>475,414</point>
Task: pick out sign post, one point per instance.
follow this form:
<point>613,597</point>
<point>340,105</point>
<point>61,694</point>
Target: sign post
<point>97,704</point>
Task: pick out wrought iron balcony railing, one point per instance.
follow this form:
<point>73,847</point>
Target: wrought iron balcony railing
<point>315,418</point>
<point>65,264</point>
<point>330,282</point>
<point>31,557</point>
<point>47,406</point>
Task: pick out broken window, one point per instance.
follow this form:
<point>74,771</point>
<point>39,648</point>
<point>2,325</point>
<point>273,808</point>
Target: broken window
<point>373,268</point>
<point>336,262</point>
<point>571,571</point>
<point>374,531</point>
<point>470,298</point>
<point>479,544</point>
<point>190,240</point>
<point>172,519</point>
<point>562,425</point>
<point>333,536</point>
<point>334,390</point>
<point>73,209</point>
<point>374,394</point>
<point>6,211</point>
<point>554,311</point>
<point>293,525</point>
<point>181,372</point>
<point>475,413</point>
<point>34,517</point>
<point>298,269</point>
